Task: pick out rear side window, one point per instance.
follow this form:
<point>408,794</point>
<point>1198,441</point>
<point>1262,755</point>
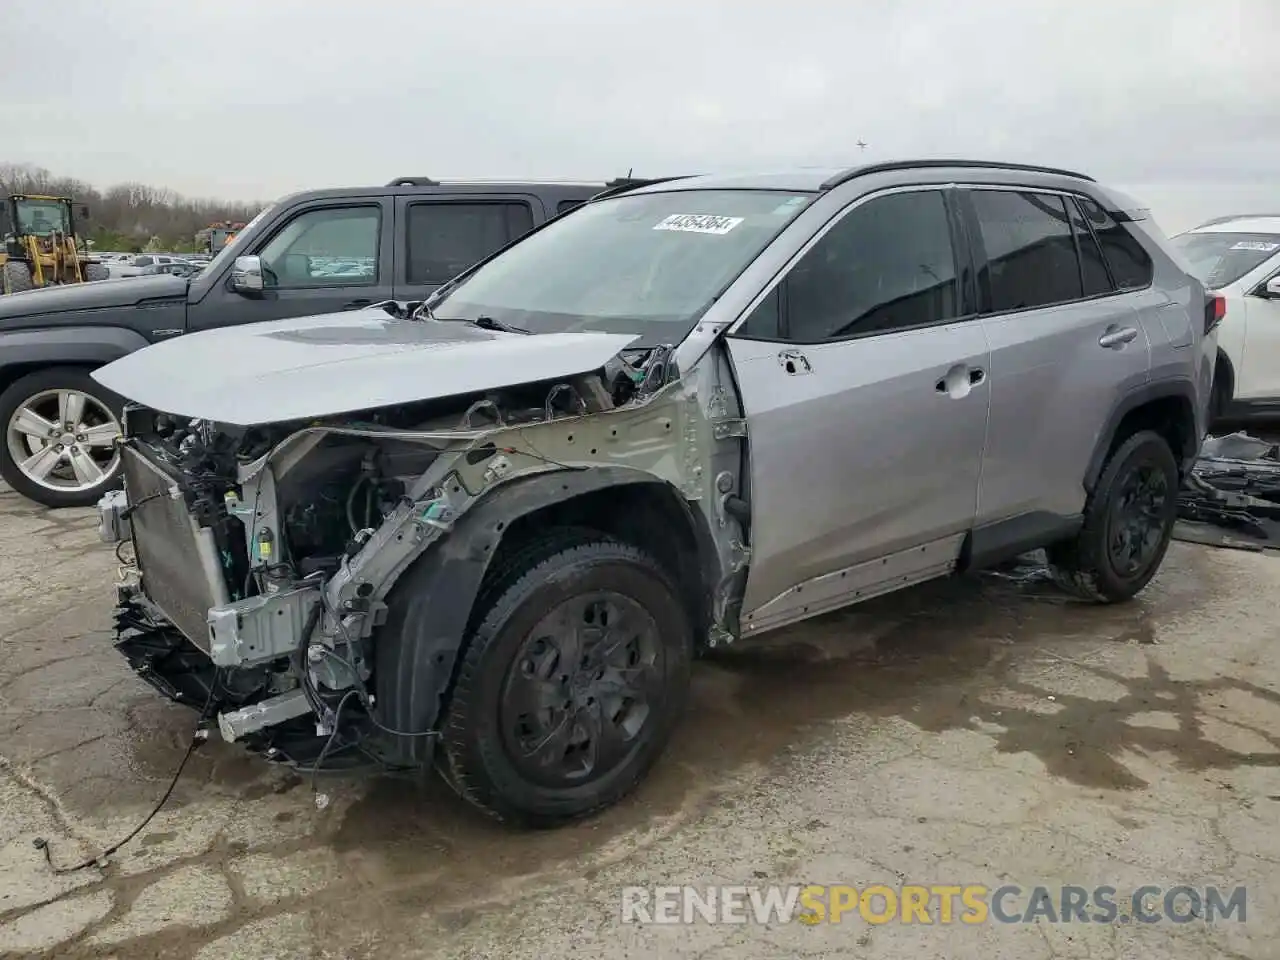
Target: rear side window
<point>143,261</point>
<point>1130,264</point>
<point>1031,253</point>
<point>446,238</point>
<point>1093,268</point>
<point>564,206</point>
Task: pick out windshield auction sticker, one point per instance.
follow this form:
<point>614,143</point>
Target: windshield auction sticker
<point>1261,246</point>
<point>699,223</point>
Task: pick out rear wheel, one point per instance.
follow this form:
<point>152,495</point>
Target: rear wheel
<point>570,686</point>
<point>16,277</point>
<point>1128,524</point>
<point>60,431</point>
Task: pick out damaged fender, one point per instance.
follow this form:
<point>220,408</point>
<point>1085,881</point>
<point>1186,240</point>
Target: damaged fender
<point>413,683</point>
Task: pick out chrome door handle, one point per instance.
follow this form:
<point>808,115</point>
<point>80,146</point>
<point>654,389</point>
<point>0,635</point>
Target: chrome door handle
<point>1117,336</point>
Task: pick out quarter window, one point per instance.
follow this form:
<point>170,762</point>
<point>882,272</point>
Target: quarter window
<point>1093,268</point>
<point>329,246</point>
<point>446,238</point>
<point>1130,264</point>
<point>887,265</point>
<point>1030,253</point>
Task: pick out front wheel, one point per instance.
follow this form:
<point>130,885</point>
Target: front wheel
<point>15,277</point>
<point>571,684</point>
<point>1128,524</point>
<point>60,430</point>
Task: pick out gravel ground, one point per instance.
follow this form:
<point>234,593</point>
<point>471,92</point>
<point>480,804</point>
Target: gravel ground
<point>971,731</point>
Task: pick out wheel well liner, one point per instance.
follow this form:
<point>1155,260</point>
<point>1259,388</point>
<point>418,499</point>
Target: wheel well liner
<point>418,686</point>
<point>1167,407</point>
<point>1223,367</point>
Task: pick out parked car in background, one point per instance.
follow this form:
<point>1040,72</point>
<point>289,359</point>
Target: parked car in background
<point>489,536</point>
<point>309,253</point>
<point>1239,258</point>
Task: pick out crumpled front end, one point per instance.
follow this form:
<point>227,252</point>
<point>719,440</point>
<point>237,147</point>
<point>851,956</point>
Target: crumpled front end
<point>263,557</point>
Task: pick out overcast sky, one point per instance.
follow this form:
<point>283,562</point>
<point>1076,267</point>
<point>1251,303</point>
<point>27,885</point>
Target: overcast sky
<point>1177,101</point>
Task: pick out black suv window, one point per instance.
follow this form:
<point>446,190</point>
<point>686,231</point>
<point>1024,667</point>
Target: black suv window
<point>445,238</point>
<point>564,206</point>
<point>1130,264</point>
<point>1031,254</point>
<point>329,246</point>
<point>887,265</point>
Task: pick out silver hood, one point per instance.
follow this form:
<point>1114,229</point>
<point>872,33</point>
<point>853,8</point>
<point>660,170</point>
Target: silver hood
<point>342,362</point>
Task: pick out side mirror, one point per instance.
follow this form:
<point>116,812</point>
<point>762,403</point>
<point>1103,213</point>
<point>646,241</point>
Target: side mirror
<point>1273,288</point>
<point>246,276</point>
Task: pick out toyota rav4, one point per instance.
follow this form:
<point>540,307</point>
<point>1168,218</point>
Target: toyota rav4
<point>487,533</point>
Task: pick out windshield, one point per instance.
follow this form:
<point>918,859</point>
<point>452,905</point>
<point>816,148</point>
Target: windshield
<point>1218,259</point>
<point>649,264</point>
<point>225,253</point>
<point>42,217</point>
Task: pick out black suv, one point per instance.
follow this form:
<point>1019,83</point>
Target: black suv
<point>311,253</point>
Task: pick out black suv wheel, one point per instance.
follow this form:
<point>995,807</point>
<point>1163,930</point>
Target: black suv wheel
<point>1128,524</point>
<point>570,685</point>
<point>60,428</point>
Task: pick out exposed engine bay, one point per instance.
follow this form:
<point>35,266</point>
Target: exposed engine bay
<point>264,555</point>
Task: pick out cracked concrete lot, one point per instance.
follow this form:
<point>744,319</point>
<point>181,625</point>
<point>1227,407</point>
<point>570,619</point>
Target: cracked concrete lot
<point>973,731</point>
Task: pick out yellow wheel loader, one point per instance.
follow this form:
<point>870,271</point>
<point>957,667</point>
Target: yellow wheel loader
<point>41,247</point>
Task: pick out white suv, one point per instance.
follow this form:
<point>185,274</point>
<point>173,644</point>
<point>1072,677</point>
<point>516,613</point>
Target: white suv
<point>1239,258</point>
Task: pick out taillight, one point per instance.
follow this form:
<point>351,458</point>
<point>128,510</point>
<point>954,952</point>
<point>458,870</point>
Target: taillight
<point>1215,309</point>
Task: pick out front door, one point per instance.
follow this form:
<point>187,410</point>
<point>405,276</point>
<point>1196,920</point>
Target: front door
<point>864,382</point>
<point>324,259</point>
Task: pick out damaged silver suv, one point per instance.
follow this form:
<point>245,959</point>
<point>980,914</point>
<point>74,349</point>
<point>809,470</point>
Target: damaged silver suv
<point>488,533</point>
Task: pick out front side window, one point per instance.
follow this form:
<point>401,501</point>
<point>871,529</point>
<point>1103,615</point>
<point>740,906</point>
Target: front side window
<point>143,261</point>
<point>1219,259</point>
<point>887,265</point>
<point>1031,254</point>
<point>642,263</point>
<point>42,217</point>
<point>445,238</point>
<point>324,247</point>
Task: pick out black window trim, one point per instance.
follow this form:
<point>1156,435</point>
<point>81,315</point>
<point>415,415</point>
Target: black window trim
<point>980,252</point>
<point>501,200</point>
<point>961,256</point>
<point>374,204</point>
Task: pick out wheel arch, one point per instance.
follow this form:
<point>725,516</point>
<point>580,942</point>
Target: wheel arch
<point>628,504</point>
<point>1224,373</point>
<point>84,347</point>
<point>1167,407</point>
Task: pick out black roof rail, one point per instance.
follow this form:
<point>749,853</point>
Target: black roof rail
<point>622,184</point>
<point>413,182</point>
<point>891,165</point>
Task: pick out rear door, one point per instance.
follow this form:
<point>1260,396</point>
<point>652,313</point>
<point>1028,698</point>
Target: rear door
<point>863,379</point>
<point>440,235</point>
<point>1066,343</point>
<point>328,256</point>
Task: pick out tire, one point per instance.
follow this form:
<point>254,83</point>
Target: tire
<point>1085,567</point>
<point>16,277</point>
<point>482,729</point>
<point>39,391</point>
<point>95,271</point>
